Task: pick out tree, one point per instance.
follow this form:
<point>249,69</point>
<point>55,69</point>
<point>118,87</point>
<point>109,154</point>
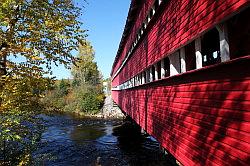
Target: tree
<point>84,94</point>
<point>39,31</point>
<point>85,70</point>
<point>63,87</point>
<point>33,35</point>
<point>87,80</point>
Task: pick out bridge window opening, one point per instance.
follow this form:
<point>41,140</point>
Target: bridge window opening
<point>152,11</point>
<point>190,56</point>
<point>144,25</point>
<point>148,18</point>
<point>175,63</point>
<point>139,33</point>
<point>142,29</point>
<point>153,73</point>
<point>138,79</point>
<point>166,67</point>
<point>135,80</point>
<point>239,34</point>
<point>158,69</point>
<point>136,40</point>
<point>143,77</point>
<point>210,48</point>
<point>156,4</point>
<point>147,76</point>
<point>160,1</point>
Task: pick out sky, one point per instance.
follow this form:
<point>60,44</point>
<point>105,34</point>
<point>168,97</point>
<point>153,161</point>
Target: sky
<point>105,21</point>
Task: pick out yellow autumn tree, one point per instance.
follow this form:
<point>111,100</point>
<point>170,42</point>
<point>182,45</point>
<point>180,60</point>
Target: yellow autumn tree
<point>34,35</point>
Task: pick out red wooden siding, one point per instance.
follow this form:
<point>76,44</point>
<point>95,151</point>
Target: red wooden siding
<point>177,23</point>
<point>201,117</point>
<point>142,13</point>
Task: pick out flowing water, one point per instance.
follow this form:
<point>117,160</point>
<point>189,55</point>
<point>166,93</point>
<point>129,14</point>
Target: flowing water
<point>68,140</point>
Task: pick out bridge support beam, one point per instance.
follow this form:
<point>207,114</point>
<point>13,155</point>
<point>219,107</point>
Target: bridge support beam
<point>163,72</point>
<point>175,67</point>
<point>224,42</point>
<point>183,60</point>
<point>151,74</point>
<point>198,53</point>
<point>143,77</point>
<point>156,72</point>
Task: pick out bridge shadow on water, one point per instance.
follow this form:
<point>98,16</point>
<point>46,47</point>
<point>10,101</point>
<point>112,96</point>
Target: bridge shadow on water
<point>141,148</point>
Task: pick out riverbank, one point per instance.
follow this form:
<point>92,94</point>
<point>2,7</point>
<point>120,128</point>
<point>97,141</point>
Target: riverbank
<point>108,111</point>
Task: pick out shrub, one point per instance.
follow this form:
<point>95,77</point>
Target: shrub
<point>88,98</point>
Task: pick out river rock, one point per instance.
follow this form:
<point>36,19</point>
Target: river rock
<point>110,110</point>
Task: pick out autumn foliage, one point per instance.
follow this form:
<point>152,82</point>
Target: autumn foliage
<point>34,35</point>
<point>83,93</point>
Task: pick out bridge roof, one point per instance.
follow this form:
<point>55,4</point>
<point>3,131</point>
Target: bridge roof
<point>133,9</point>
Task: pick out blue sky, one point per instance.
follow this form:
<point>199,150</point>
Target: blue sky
<point>105,21</point>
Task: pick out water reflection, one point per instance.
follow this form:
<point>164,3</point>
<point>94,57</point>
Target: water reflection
<point>81,134</point>
<point>72,141</point>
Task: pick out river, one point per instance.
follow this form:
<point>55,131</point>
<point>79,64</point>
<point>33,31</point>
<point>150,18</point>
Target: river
<point>68,140</point>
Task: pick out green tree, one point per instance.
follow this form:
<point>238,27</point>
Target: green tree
<point>87,81</point>
<point>63,88</point>
<point>85,92</point>
<point>85,70</point>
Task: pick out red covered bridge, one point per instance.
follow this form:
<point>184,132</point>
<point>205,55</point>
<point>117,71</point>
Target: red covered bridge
<point>182,72</point>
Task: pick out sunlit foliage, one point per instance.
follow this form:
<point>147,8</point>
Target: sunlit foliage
<point>34,34</point>
<point>85,70</point>
<point>84,93</point>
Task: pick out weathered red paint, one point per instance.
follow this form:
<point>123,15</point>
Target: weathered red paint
<point>202,117</point>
